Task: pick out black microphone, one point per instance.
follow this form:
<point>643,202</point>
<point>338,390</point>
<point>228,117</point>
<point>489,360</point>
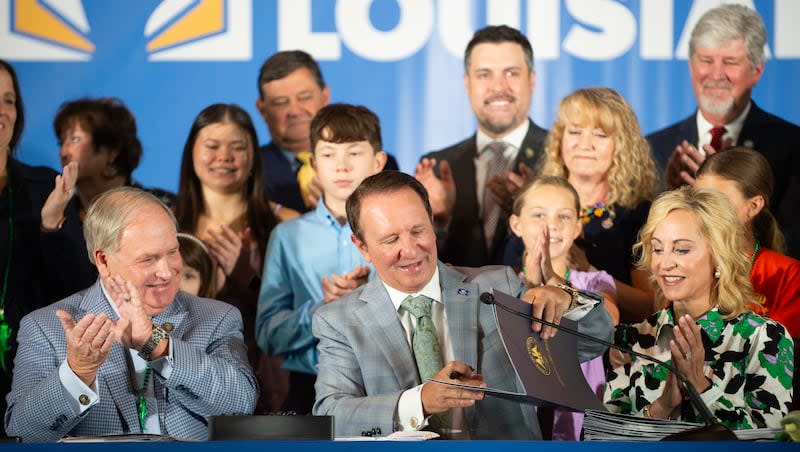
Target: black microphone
<point>712,431</point>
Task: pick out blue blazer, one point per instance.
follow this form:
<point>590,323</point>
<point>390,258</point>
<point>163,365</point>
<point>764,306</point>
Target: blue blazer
<point>365,362</point>
<point>210,373</point>
<point>778,140</point>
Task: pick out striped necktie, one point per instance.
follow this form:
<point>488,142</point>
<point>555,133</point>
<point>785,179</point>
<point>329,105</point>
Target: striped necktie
<point>492,210</point>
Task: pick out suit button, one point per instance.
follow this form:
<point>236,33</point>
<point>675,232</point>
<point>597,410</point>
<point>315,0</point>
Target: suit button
<point>414,422</point>
<point>83,399</point>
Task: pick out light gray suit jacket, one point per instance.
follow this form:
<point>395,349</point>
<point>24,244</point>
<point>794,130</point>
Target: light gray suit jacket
<point>210,373</point>
<point>365,363</point>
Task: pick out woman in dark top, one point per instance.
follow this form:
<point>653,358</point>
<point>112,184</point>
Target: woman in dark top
<point>99,151</point>
<point>23,190</point>
<point>596,144</point>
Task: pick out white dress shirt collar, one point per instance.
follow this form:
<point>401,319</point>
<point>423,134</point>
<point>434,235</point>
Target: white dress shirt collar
<point>732,129</point>
<point>513,139</point>
<point>431,290</point>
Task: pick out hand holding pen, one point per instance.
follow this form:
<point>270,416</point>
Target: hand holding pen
<point>438,398</point>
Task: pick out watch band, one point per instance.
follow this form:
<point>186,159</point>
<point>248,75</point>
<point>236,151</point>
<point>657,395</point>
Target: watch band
<point>573,293</point>
<point>158,335</point>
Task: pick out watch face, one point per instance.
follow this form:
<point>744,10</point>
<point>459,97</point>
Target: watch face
<point>156,337</point>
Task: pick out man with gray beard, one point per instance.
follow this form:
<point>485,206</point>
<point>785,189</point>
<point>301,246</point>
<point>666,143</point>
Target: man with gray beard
<point>726,60</point>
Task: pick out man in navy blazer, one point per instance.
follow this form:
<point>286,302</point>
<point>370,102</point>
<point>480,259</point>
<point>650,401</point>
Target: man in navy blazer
<point>368,376</point>
<point>499,79</point>
<point>291,91</point>
<point>130,354</point>
<point>726,60</point>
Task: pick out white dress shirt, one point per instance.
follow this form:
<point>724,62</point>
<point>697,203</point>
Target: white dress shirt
<point>409,409</point>
<point>732,129</point>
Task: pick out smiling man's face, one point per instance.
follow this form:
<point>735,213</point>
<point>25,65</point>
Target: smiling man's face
<point>398,239</point>
<point>500,85</point>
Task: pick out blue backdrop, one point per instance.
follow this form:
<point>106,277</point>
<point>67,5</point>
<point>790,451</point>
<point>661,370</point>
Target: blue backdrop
<point>402,58</point>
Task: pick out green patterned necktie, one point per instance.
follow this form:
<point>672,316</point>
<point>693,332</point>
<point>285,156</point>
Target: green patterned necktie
<point>424,340</point>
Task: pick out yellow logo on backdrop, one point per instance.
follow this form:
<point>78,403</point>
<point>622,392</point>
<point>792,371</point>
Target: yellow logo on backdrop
<point>177,30</point>
<point>200,30</point>
<point>45,30</point>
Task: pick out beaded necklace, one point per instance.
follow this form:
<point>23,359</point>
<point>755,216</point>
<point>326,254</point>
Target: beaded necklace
<point>5,329</point>
<point>599,210</point>
<point>142,406</point>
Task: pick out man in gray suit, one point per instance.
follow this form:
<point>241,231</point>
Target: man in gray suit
<point>130,354</point>
<point>369,372</point>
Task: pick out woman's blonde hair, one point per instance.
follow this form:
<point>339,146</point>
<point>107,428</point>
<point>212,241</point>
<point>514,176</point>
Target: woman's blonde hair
<point>720,229</point>
<point>632,177</point>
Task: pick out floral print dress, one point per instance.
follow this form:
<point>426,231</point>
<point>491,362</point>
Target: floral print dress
<point>749,362</point>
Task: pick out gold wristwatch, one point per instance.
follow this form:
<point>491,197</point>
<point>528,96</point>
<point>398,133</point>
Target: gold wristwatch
<point>573,293</point>
<point>158,335</point>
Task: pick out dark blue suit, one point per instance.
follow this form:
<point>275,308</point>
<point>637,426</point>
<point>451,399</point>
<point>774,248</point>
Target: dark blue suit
<point>778,140</point>
<point>280,179</point>
<point>465,244</point>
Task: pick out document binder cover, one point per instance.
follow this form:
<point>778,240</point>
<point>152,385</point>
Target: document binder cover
<point>548,369</point>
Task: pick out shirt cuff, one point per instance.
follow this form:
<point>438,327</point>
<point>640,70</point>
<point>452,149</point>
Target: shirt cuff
<point>163,365</point>
<point>584,304</point>
<point>79,396</point>
<point>409,410</point>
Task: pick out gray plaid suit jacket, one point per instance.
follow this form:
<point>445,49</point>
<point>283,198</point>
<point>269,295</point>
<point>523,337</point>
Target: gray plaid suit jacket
<point>365,362</point>
<point>210,373</point>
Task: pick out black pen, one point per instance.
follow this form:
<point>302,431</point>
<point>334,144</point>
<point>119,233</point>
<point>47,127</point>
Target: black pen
<point>456,375</point>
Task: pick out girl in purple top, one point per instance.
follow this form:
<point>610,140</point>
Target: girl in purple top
<point>546,218</point>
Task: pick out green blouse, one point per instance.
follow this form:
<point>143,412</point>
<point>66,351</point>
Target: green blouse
<point>749,361</point>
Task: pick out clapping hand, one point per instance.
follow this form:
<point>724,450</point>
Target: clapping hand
<point>88,343</point>
<point>441,189</point>
<point>335,286</point>
<point>688,358</point>
<point>688,353</point>
<point>134,325</point>
<point>536,260</point>
<point>504,189</point>
<point>684,162</point>
<point>53,208</point>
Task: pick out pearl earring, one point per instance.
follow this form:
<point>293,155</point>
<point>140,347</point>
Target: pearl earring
<point>717,273</point>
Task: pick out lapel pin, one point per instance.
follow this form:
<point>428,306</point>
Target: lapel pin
<point>529,153</point>
<point>462,291</point>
